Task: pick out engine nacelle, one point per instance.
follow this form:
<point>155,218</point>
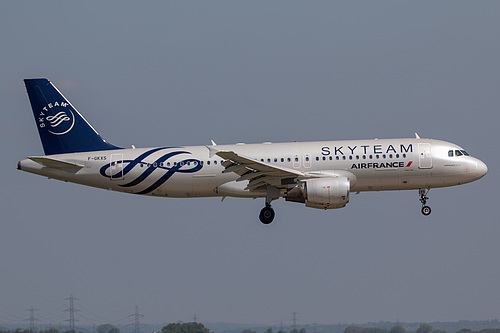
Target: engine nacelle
<point>322,193</point>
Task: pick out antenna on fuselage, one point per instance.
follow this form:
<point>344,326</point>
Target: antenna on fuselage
<point>417,136</point>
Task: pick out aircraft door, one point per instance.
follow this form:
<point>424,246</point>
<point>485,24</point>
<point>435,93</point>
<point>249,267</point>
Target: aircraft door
<point>116,167</point>
<point>424,156</point>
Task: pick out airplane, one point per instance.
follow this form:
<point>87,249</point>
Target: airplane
<point>318,174</point>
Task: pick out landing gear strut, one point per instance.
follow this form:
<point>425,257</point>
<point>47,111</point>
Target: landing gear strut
<point>426,210</point>
<point>266,215</point>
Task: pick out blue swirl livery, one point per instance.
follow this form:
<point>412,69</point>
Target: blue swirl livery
<point>189,165</point>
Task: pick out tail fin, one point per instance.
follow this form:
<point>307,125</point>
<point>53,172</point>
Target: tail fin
<point>61,127</point>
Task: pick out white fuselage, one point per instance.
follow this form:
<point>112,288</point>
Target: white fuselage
<point>372,165</point>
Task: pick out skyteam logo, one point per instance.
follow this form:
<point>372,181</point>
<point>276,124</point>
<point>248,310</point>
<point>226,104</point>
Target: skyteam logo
<point>57,118</point>
<point>151,172</point>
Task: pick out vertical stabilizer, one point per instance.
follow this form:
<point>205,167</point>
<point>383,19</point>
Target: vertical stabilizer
<point>61,127</point>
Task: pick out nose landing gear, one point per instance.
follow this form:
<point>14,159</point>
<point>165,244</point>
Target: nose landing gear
<point>426,210</point>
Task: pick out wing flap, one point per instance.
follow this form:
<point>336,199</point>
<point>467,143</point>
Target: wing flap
<point>258,173</point>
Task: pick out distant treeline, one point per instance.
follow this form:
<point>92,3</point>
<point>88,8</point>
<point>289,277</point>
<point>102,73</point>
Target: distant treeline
<point>107,328</point>
<point>423,328</point>
<point>200,328</point>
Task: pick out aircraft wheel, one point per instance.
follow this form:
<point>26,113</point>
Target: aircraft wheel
<point>426,210</point>
<point>266,215</point>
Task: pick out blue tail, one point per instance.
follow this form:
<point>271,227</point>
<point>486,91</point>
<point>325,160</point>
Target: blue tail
<point>61,127</point>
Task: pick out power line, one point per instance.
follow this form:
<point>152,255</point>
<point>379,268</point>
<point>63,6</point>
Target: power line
<point>99,318</point>
<point>11,315</point>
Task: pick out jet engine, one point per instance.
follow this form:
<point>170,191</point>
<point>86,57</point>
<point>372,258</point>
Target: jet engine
<point>321,193</point>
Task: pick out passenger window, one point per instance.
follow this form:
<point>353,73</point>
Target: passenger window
<point>208,162</point>
<point>337,158</point>
<point>324,158</point>
<point>282,160</point>
<point>275,160</point>
<point>350,157</point>
<point>404,155</point>
<point>288,159</point>
<point>296,159</point>
<point>215,162</point>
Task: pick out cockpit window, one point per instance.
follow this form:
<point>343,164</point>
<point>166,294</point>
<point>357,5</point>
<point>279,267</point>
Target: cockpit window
<point>457,152</point>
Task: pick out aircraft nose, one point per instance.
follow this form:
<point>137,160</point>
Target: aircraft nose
<point>482,169</point>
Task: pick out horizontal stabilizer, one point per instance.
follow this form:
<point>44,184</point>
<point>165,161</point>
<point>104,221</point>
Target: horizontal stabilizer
<point>56,164</point>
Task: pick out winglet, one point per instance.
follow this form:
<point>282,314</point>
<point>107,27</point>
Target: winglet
<point>212,150</point>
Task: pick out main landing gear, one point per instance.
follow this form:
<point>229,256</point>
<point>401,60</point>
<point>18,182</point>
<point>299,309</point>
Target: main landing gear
<point>426,210</point>
<point>266,215</point>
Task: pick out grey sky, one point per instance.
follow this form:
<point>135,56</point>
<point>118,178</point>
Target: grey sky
<point>183,73</point>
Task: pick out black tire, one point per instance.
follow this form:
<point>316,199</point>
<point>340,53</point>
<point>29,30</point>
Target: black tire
<point>426,210</point>
<point>266,215</point>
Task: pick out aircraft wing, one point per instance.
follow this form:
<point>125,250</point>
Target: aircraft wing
<point>258,173</point>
